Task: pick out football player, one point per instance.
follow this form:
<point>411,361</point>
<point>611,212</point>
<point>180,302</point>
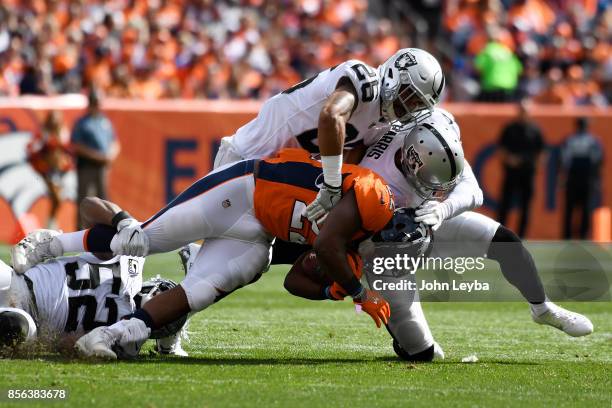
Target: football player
<point>333,111</point>
<point>238,210</point>
<point>458,231</point>
<point>66,297</point>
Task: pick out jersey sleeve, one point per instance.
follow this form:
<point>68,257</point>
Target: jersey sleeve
<point>374,201</point>
<point>364,78</point>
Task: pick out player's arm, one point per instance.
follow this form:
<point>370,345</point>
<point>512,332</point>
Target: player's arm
<point>333,118</point>
<point>95,210</point>
<point>465,196</point>
<point>306,280</point>
<point>331,248</point>
<point>334,115</point>
<point>112,231</point>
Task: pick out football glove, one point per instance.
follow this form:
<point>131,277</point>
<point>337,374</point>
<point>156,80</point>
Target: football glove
<point>326,199</point>
<point>335,292</point>
<point>432,213</point>
<point>36,247</point>
<point>130,239</point>
<point>373,304</point>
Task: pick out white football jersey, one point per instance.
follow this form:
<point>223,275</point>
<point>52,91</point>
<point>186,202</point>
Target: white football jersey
<point>81,292</point>
<point>380,158</point>
<point>291,118</point>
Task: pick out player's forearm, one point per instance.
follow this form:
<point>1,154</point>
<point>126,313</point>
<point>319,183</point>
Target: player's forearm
<point>331,134</point>
<point>466,195</point>
<point>94,210</point>
<point>332,258</point>
<point>332,122</point>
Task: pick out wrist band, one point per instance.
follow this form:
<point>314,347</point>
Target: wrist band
<point>120,216</point>
<point>332,170</point>
<point>326,292</point>
<point>353,288</point>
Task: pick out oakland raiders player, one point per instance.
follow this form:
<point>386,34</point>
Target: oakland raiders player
<point>333,111</point>
<point>72,295</point>
<point>430,149</point>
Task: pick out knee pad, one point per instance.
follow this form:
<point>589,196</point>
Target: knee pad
<point>426,355</point>
<point>504,234</point>
<point>200,294</point>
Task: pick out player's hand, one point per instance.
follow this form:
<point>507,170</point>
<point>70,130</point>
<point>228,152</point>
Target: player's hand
<point>375,305</point>
<point>130,239</point>
<point>431,213</point>
<point>335,292</point>
<point>327,198</point>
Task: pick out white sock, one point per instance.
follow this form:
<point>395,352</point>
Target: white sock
<point>541,308</point>
<point>72,241</point>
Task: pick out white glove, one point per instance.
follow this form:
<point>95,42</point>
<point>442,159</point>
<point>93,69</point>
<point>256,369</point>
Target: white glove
<point>131,335</point>
<point>432,213</point>
<point>36,247</point>
<point>327,198</point>
<point>130,239</point>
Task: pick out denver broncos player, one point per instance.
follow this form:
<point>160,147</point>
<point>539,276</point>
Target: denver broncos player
<point>238,209</point>
<point>333,111</point>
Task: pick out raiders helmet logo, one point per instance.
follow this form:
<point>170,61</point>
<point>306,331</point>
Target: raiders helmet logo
<point>405,60</point>
<point>132,267</point>
<point>414,160</point>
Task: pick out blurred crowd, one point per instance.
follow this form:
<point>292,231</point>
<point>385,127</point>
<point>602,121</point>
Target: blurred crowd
<point>555,51</point>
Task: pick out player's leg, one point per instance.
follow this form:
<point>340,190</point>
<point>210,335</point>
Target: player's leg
<point>216,205</point>
<point>221,267</point>
<point>227,153</point>
<point>472,235</point>
<point>412,338</point>
<point>212,206</point>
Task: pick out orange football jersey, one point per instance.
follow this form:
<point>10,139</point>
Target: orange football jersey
<point>287,183</point>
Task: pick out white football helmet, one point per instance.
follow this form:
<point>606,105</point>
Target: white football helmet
<point>412,81</point>
<point>16,326</point>
<point>432,156</point>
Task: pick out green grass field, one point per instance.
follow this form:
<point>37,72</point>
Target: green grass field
<point>262,347</point>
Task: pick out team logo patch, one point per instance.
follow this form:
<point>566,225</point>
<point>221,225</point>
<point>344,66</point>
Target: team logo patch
<point>226,203</point>
<point>414,160</point>
<point>405,60</point>
<point>132,267</point>
<point>319,181</point>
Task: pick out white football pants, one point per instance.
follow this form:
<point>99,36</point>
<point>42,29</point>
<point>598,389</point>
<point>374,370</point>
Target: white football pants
<point>219,209</point>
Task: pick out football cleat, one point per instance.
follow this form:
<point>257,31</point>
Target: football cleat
<point>438,352</point>
<point>188,255</point>
<point>171,345</point>
<point>38,246</point>
<point>574,324</point>
<point>432,353</point>
<point>97,343</point>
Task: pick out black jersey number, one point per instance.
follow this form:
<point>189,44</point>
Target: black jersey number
<point>300,85</point>
<point>75,303</point>
<point>369,86</point>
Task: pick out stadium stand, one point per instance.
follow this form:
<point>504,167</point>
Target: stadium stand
<point>245,49</point>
